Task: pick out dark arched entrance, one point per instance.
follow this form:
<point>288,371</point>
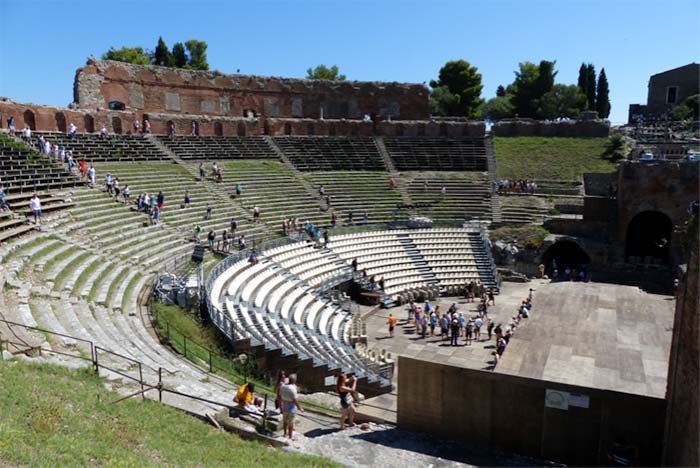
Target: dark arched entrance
<point>287,128</point>
<point>60,122</point>
<point>311,129</point>
<point>648,237</point>
<point>117,125</point>
<point>241,129</point>
<point>29,120</point>
<point>218,129</point>
<point>566,253</point>
<point>89,123</point>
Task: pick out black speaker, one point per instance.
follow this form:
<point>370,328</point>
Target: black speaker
<point>198,254</point>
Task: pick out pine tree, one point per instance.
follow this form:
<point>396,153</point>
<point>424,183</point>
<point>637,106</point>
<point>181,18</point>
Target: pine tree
<point>500,91</point>
<point>590,86</point>
<point>602,102</point>
<point>162,54</point>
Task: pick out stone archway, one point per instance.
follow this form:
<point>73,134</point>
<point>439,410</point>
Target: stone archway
<point>60,122</point>
<point>648,237</point>
<point>117,125</point>
<point>566,253</point>
<point>29,119</point>
<point>89,123</point>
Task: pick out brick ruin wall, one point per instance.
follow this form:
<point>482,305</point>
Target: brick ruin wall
<point>178,91</point>
<point>682,435</point>
<point>571,128</point>
<point>48,118</point>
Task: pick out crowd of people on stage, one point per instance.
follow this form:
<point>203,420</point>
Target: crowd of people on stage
<point>455,325</point>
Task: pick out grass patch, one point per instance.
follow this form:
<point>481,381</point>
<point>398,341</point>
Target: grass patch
<point>130,289</point>
<point>29,245</point>
<point>45,251</point>
<point>201,338</point>
<point>115,284</point>
<point>63,274</point>
<point>58,258</point>
<point>52,416</point>
<point>87,271</point>
<point>529,236</point>
<point>551,158</point>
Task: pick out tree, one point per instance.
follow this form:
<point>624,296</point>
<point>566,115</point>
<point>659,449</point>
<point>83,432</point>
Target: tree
<point>179,57</point>
<point>582,81</point>
<point>563,101</point>
<point>135,55</point>
<point>500,91</point>
<point>602,99</point>
<point>690,107</point>
<point>545,78</point>
<point>590,86</point>
<point>197,51</point>
<point>322,72</point>
<point>464,82</point>
<point>441,101</point>
<point>497,108</point>
<point>162,54</point>
<point>524,90</point>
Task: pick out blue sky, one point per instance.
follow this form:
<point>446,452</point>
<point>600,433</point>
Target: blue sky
<point>42,43</point>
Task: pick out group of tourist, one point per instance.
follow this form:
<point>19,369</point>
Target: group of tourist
<point>286,401</point>
<point>578,273</point>
<point>506,185</point>
<point>504,335</point>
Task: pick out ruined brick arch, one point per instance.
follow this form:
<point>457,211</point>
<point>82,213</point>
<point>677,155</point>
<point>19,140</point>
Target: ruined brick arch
<point>89,123</point>
<point>266,128</point>
<point>241,129</point>
<point>649,234</point>
<point>218,129</point>
<point>567,253</point>
<point>29,119</point>
<point>311,129</point>
<point>60,122</point>
<point>287,128</point>
<point>117,125</point>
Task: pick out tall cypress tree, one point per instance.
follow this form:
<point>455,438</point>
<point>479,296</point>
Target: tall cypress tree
<point>162,54</point>
<point>179,56</point>
<point>590,86</point>
<point>602,101</point>
<point>582,77</point>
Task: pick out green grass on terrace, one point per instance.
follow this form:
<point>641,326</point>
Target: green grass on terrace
<point>529,236</point>
<point>550,158</point>
<point>52,416</point>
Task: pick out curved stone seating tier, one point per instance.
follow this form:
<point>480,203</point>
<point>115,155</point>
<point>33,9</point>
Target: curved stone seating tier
<point>467,195</point>
<point>278,310</point>
<point>219,147</point>
<point>438,154</point>
<point>92,148</point>
<point>173,180</point>
<point>91,293</point>
<point>358,192</point>
<point>29,171</point>
<point>272,187</point>
<point>331,153</point>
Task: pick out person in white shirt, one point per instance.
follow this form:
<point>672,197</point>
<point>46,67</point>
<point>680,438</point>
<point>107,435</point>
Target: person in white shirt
<point>35,204</point>
<point>71,130</point>
<point>103,132</point>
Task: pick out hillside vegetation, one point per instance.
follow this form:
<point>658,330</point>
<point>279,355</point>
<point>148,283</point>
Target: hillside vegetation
<point>550,158</point>
<point>52,416</point>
